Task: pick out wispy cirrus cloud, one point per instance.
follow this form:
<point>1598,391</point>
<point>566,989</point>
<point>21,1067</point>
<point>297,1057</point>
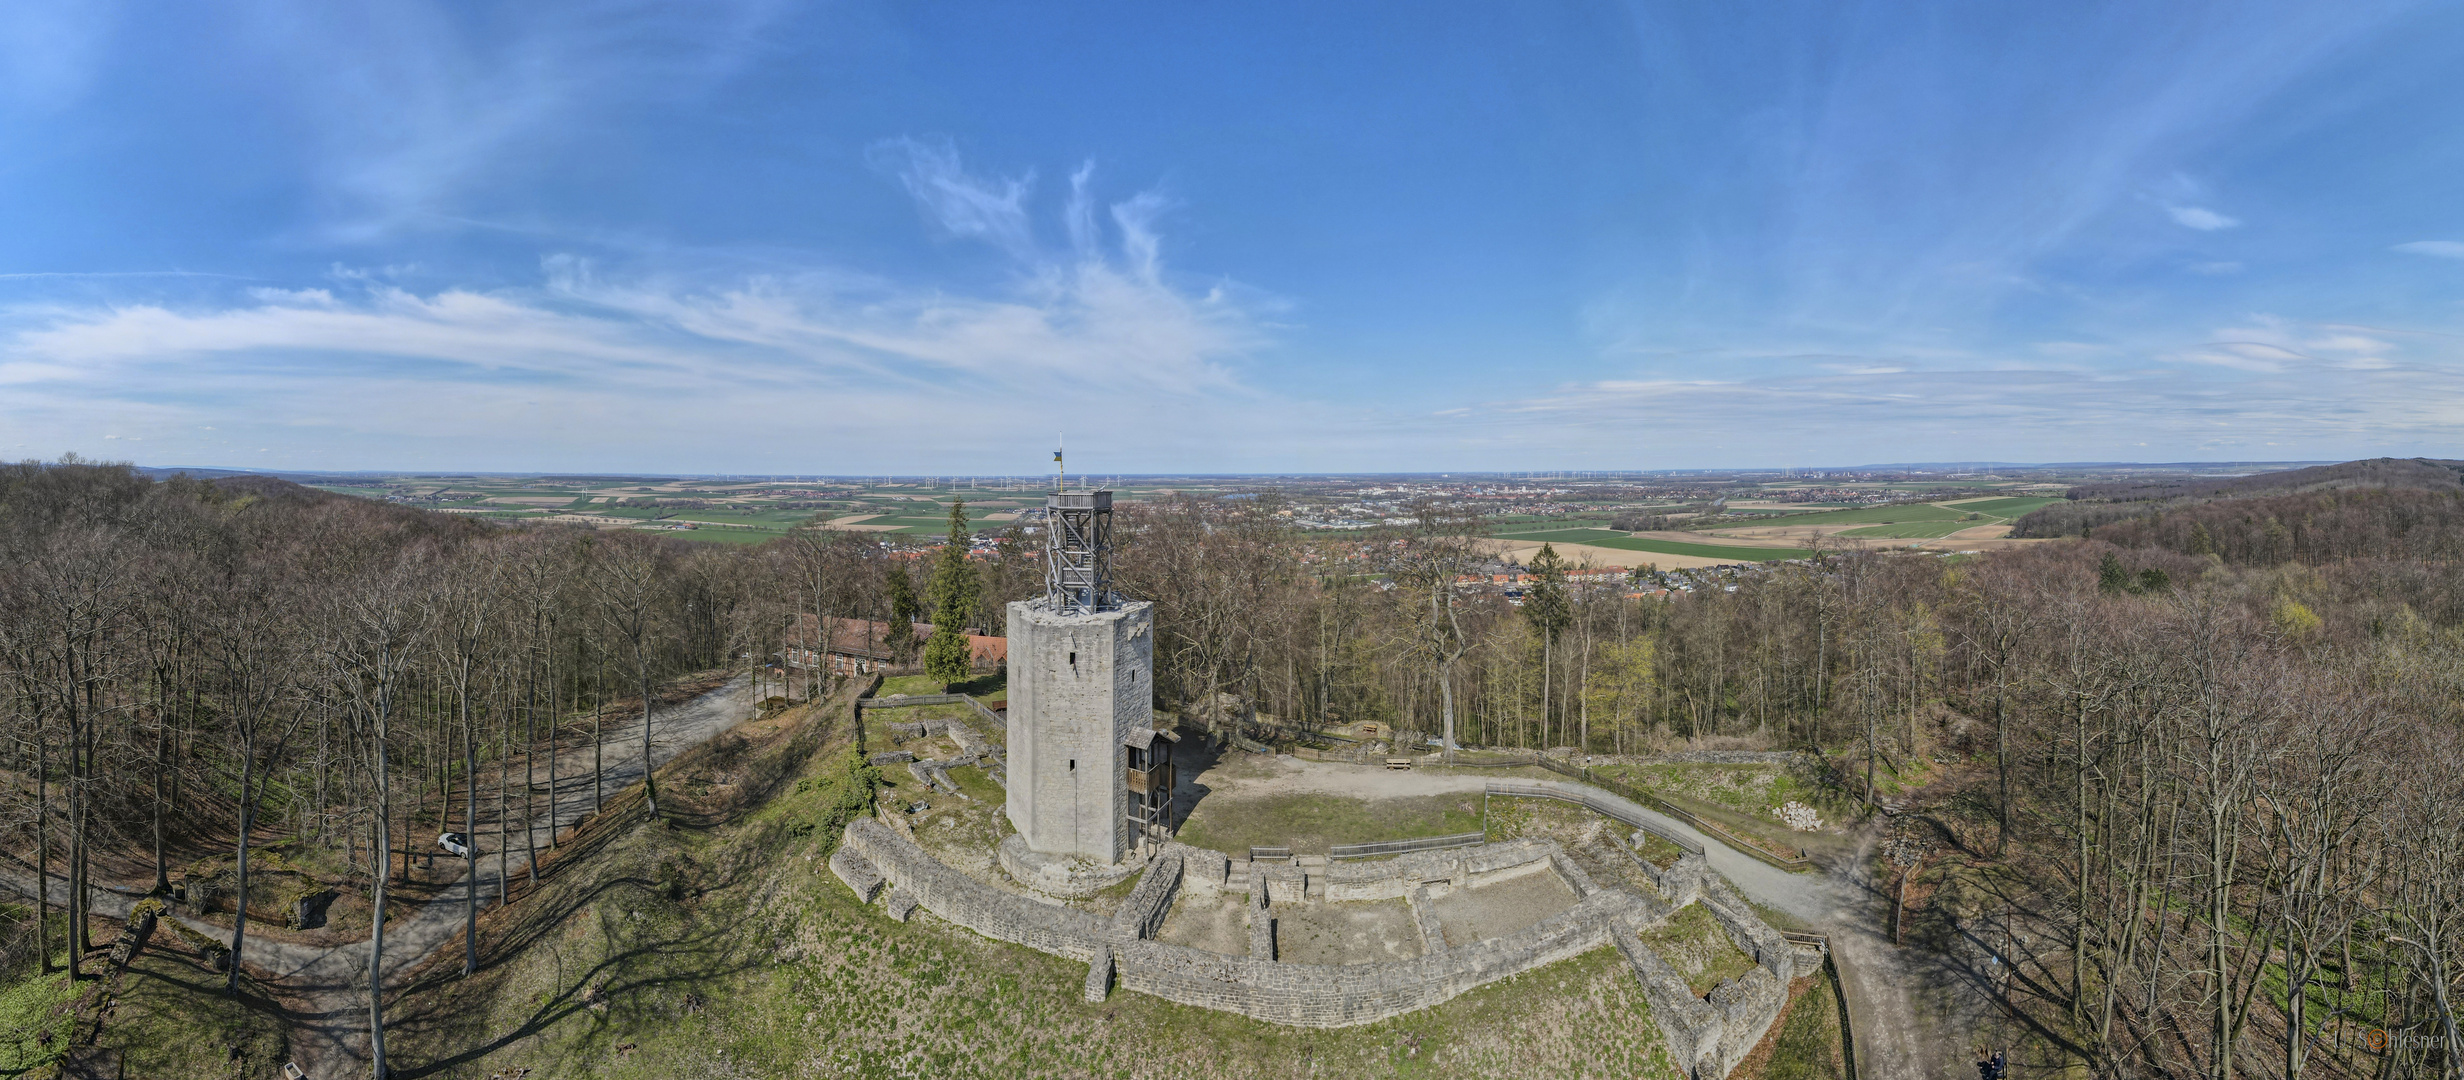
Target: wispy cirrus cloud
<point>463,101</point>
<point>2443,249</point>
<point>1101,328</point>
<point>2333,387</point>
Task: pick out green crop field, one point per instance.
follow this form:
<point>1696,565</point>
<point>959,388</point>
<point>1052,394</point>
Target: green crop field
<point>1622,542</point>
<point>1914,521</point>
<point>1875,515</point>
<point>1914,530</point>
<point>2012,508</point>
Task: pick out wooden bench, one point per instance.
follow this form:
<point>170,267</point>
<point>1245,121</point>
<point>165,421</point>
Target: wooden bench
<point>1266,854</point>
<point>1398,763</point>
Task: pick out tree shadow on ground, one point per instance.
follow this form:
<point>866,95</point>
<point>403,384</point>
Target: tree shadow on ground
<point>700,952</point>
<point>1993,959</point>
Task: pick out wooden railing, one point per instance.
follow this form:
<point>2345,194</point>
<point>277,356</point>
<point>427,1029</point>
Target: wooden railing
<point>1376,848</point>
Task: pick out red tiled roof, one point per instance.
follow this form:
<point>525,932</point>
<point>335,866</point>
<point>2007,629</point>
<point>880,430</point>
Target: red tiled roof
<point>869,639</point>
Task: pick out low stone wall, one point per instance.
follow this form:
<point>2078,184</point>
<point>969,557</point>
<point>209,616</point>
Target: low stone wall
<point>1143,913</point>
<point>1424,918</point>
<point>858,874</point>
<point>1768,948</point>
<point>1712,1034</point>
<point>1003,916</point>
<point>1059,875</point>
<point>1298,994</point>
<point>1747,1007</point>
<point>1691,1025</point>
<point>1443,871</point>
<point>1709,1036</point>
<point>1305,995</point>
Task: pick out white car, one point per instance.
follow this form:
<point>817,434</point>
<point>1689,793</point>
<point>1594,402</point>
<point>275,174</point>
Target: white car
<point>454,842</point>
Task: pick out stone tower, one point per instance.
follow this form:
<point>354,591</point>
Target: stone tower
<point>1082,691</point>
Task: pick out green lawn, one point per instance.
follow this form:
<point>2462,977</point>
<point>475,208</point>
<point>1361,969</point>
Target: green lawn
<point>1310,823</point>
<point>1605,538</point>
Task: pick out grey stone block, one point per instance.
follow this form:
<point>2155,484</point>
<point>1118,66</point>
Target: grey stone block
<point>1261,933</point>
<point>1574,875</point>
<point>1424,913</point>
<point>1143,912</point>
<point>1099,977</point>
<point>901,904</point>
<point>857,873</point>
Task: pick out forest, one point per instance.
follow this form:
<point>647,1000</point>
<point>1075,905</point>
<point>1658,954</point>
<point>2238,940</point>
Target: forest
<point>2208,752</point>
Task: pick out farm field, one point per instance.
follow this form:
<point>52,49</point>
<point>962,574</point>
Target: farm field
<point>1897,513</point>
<point>1914,521</point>
<point>2013,508</point>
<point>1909,530</point>
<point>726,511</point>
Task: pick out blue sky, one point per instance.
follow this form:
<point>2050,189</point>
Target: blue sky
<point>862,238</point>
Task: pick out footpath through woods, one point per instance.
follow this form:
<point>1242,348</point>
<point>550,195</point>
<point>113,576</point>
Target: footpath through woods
<point>326,988</point>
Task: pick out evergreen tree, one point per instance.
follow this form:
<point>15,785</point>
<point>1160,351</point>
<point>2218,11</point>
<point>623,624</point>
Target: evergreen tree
<point>2111,577</point>
<point>1550,611</point>
<point>953,593</point>
<point>904,607</point>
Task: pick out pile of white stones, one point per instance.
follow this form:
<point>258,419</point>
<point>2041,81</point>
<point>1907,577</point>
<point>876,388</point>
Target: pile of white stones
<point>1798,816</point>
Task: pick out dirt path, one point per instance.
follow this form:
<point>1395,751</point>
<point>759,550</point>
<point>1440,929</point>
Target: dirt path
<point>329,985</point>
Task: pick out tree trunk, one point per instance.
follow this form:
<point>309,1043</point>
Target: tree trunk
<point>598,742</point>
<point>162,735</point>
<point>42,847</point>
<point>376,938</point>
<point>1547,640</point>
<point>248,821</point>
<point>650,783</point>
<point>470,835</point>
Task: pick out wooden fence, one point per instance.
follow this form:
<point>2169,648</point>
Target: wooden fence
<point>1376,848</point>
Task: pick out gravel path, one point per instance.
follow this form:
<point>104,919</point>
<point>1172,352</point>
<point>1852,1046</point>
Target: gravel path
<point>329,1035</point>
<point>1894,1041</point>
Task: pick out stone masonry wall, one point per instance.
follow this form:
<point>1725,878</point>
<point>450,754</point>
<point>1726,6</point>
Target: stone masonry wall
<point>1306,995</point>
<point>1078,685</point>
<point>1709,1036</point>
<point>1143,913</point>
<point>996,914</point>
<point>1443,871</point>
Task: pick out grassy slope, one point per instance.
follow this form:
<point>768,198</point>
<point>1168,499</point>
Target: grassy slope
<point>1605,538</point>
<point>1807,1046</point>
<point>773,969</point>
<point>1308,823</point>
